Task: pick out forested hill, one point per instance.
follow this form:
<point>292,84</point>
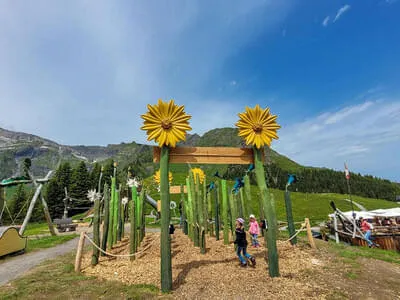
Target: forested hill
<point>46,155</point>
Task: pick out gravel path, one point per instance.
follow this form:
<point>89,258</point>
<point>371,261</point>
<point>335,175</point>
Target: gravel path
<point>16,266</point>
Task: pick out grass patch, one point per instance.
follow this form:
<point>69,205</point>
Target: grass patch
<point>56,279</point>
<point>351,253</point>
<point>48,242</point>
<point>351,275</point>
<point>36,228</point>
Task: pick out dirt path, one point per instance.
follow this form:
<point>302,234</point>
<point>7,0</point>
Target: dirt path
<point>16,266</point>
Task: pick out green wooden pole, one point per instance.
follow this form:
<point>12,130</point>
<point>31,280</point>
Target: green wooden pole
<point>96,232</point>
<point>115,216</point>
<point>269,211</point>
<point>195,210</point>
<point>202,219</point>
<point>141,215</point>
<point>111,223</point>
<point>166,263</point>
<point>205,206</point>
<point>292,230</point>
<point>119,206</point>
<point>216,212</point>
<point>225,211</point>
<point>184,210</point>
<point>243,204</point>
<point>106,192</point>
<point>234,213</point>
<point>189,209</point>
<point>132,235</point>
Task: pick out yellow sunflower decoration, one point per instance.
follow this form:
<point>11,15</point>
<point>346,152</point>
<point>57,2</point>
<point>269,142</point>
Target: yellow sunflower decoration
<point>257,126</point>
<point>166,123</point>
<point>200,172</point>
<point>157,177</point>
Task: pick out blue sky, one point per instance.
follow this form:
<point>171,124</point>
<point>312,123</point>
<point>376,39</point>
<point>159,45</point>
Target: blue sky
<point>82,72</point>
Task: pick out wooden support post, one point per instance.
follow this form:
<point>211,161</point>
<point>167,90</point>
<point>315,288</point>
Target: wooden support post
<point>289,216</point>
<point>106,192</point>
<point>269,211</point>
<point>336,228</point>
<point>205,206</point>
<point>96,232</point>
<point>166,262</point>
<point>309,234</point>
<point>79,250</point>
<point>225,211</point>
<point>32,205</point>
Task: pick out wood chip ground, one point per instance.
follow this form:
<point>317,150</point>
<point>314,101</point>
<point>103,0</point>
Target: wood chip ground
<point>217,273</point>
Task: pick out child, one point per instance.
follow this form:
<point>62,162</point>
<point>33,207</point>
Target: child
<point>254,231</point>
<point>241,243</point>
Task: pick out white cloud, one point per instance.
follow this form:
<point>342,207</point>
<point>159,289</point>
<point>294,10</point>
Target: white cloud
<point>325,21</point>
<point>233,82</point>
<point>366,136</point>
<point>340,12</point>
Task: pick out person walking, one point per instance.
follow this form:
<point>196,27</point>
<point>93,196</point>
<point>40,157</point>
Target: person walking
<point>241,243</point>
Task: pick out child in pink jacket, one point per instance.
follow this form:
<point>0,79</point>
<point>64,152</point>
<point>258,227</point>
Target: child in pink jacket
<point>254,231</point>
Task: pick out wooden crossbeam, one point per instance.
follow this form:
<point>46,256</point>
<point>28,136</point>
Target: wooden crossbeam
<point>176,189</point>
<point>207,155</point>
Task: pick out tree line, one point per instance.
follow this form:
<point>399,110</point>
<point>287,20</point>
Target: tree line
<point>322,180</point>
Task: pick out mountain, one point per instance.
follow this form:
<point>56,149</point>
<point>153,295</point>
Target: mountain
<point>46,154</point>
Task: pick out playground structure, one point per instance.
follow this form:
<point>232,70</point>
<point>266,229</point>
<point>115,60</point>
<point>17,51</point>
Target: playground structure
<point>201,208</point>
<point>11,239</point>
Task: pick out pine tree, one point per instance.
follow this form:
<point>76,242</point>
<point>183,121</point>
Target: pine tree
<point>80,184</point>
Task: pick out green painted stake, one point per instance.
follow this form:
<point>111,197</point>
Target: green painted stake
<point>96,232</point>
<point>141,215</point>
<point>202,220</point>
<point>225,211</point>
<point>234,213</point>
<point>216,212</point>
<point>132,235</point>
<point>106,192</point>
<point>292,230</point>
<point>115,216</point>
<point>195,210</point>
<point>205,206</point>
<point>119,229</point>
<point>111,223</point>
<point>166,263</point>
<point>243,204</point>
<point>269,211</point>
<point>189,210</point>
<point>184,211</point>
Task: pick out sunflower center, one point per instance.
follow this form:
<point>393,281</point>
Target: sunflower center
<point>166,124</point>
<point>257,128</point>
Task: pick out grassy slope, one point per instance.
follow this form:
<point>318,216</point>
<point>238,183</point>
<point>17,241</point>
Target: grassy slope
<point>48,242</point>
<point>313,206</point>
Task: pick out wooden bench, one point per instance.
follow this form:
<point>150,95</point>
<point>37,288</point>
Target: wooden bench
<point>64,225</point>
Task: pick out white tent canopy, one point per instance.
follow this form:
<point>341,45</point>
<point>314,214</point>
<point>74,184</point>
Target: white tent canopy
<point>383,213</point>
